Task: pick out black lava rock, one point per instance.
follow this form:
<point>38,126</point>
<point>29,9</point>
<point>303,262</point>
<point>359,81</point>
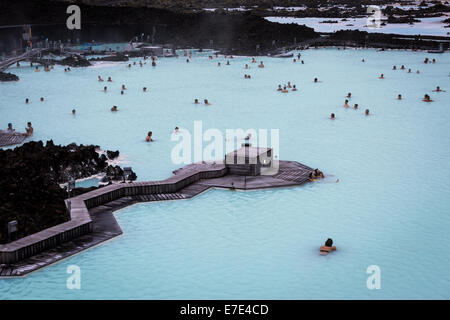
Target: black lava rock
<point>8,77</point>
<point>29,182</point>
<point>116,57</point>
<point>73,61</point>
<point>112,154</point>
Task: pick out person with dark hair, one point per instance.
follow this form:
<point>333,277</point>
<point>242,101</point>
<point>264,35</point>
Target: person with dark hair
<point>10,128</point>
<point>29,129</point>
<point>149,137</point>
<point>327,248</point>
<point>427,98</point>
<point>318,173</point>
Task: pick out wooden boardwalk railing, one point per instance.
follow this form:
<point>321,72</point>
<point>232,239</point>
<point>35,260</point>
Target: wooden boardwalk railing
<point>80,221</point>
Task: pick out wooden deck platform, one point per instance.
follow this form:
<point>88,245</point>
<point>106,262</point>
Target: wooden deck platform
<point>9,139</point>
<point>105,226</point>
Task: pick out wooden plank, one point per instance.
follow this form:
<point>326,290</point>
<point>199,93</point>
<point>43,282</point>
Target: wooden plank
<point>8,139</point>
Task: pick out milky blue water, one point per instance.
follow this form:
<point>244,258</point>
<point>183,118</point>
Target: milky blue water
<point>426,27</point>
<point>390,207</point>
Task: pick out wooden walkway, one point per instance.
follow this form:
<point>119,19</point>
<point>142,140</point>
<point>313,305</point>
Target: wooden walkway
<point>105,226</point>
<point>26,55</point>
<point>9,139</point>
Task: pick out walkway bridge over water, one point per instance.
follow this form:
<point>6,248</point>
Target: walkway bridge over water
<point>24,56</point>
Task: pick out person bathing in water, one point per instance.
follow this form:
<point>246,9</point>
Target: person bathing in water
<point>149,137</point>
<point>318,174</point>
<point>427,98</point>
<point>284,90</point>
<point>438,89</point>
<point>261,65</point>
<point>315,174</point>
<point>206,102</point>
<point>346,105</point>
<point>349,95</point>
<point>10,128</point>
<point>399,97</point>
<point>327,248</point>
<point>382,76</point>
<point>332,116</point>
<point>196,101</point>
<point>294,88</point>
<point>279,88</point>
<point>100,79</point>
<point>29,130</point>
<point>114,109</point>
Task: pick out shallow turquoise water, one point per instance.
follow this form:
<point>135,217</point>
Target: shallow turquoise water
<point>389,209</point>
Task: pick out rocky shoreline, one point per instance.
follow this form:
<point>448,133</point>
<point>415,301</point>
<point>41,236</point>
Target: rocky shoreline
<point>31,174</point>
<point>233,33</point>
<point>6,76</point>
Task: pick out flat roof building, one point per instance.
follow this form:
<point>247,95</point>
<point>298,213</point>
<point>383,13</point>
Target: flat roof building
<point>248,160</point>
